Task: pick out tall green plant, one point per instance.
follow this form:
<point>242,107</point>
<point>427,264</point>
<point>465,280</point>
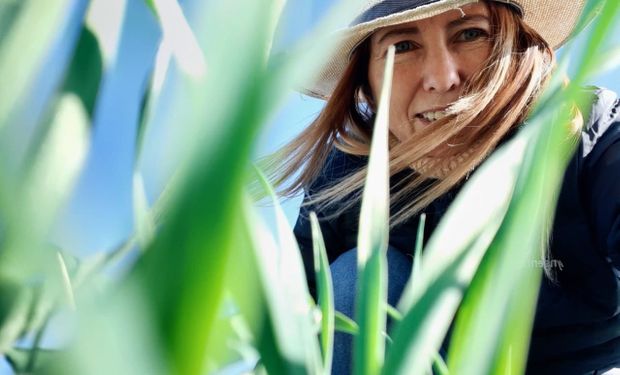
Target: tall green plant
<point>211,273</point>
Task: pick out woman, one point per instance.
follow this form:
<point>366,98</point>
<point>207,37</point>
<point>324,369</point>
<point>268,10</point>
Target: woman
<point>465,76</point>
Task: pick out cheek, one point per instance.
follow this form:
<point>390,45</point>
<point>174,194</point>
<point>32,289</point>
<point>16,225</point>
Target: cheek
<point>375,79</point>
<point>403,93</point>
<point>406,79</point>
<point>475,60</point>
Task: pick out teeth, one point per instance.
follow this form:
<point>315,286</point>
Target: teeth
<point>434,116</point>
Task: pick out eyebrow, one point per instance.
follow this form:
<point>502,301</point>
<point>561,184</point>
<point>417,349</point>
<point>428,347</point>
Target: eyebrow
<point>413,30</point>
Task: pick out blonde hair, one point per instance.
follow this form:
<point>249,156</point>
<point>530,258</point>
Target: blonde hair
<point>494,102</point>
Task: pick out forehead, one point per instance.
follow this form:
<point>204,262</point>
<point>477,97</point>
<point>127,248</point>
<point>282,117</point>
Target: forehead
<point>443,19</point>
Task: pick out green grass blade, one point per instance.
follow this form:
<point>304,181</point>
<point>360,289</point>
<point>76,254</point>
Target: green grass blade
<point>294,288</point>
<point>501,340</point>
<point>369,345</point>
<point>143,219</point>
<point>345,324</point>
<point>591,9</point>
<point>417,254</point>
<point>325,293</point>
<point>9,10</point>
<point>418,336</point>
<point>240,324</point>
<point>590,59</point>
<point>450,261</point>
<point>59,161</point>
<point>504,267</point>
<point>37,27</point>
<point>96,349</point>
<point>393,312</point>
<point>85,70</point>
<point>513,348</point>
<point>439,366</point>
<point>183,272</point>
<point>66,281</point>
<point>19,359</point>
<point>280,341</point>
<point>609,61</point>
<point>15,302</point>
<point>32,197</point>
<point>46,189</point>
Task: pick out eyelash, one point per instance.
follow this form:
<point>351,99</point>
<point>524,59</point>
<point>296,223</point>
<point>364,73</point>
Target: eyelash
<point>480,34</point>
<point>396,45</point>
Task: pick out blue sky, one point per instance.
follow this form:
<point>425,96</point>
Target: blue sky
<point>99,216</point>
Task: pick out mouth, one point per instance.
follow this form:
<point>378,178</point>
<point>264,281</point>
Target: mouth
<point>431,116</point>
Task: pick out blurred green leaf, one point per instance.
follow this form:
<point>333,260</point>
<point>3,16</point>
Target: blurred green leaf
<point>592,8</point>
<point>20,360</point>
<point>502,339</point>
<point>149,104</point>
<point>505,265</point>
<point>439,366</point>
<point>194,245</point>
<point>325,293</point>
<point>417,254</point>
<point>345,324</point>
<point>369,345</point>
<point>36,27</point>
<point>66,281</point>
<point>278,342</point>
<point>589,62</point>
<point>101,344</point>
<point>151,5</point>
<point>46,189</point>
<point>393,312</point>
<point>143,220</point>
<point>609,60</point>
<point>15,301</point>
<point>210,246</point>
<point>85,71</point>
<point>417,337</point>
<point>451,258</point>
<point>31,196</point>
<point>514,341</point>
<point>241,318</point>
<point>295,324</point>
<point>9,11</point>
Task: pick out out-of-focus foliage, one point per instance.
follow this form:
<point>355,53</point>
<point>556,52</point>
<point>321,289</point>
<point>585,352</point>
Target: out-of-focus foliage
<point>212,289</point>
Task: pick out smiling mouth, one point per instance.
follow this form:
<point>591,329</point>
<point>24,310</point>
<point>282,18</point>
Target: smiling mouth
<point>431,116</point>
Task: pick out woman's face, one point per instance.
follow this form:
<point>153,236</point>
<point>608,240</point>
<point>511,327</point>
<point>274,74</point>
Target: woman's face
<point>434,58</point>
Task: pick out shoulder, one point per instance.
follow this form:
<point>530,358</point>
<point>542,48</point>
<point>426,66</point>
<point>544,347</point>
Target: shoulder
<point>599,159</point>
<point>602,123</point>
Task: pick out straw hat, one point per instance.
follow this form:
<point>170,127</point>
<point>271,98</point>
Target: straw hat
<point>542,15</point>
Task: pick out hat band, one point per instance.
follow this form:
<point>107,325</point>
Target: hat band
<point>389,7</point>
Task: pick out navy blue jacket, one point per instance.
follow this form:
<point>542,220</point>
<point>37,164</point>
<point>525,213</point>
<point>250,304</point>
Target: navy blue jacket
<point>577,323</point>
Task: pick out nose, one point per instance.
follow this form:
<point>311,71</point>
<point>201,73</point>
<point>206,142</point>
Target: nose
<point>441,71</point>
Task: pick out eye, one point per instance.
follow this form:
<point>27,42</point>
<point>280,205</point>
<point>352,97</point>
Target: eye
<point>404,46</point>
<point>469,35</point>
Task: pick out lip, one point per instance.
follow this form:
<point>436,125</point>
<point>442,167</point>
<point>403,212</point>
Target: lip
<point>433,109</point>
<point>422,120</point>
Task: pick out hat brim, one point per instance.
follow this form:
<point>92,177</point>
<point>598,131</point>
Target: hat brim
<point>536,13</point>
